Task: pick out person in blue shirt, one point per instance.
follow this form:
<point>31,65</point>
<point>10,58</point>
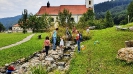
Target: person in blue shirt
<point>54,36</point>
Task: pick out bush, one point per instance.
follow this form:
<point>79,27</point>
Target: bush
<point>39,70</point>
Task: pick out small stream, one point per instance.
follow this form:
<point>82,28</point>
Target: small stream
<point>58,59</point>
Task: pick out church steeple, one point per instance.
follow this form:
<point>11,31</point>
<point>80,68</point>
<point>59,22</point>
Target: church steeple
<point>89,3</point>
<point>48,4</point>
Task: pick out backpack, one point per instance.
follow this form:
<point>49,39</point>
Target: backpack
<point>80,36</point>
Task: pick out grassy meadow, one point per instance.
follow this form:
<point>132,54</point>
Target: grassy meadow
<point>10,38</point>
<point>99,57</point>
<point>23,50</point>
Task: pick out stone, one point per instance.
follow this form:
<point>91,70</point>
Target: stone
<point>61,63</point>
<point>56,56</point>
<point>61,68</point>
<point>54,53</point>
<point>129,43</point>
<point>49,59</point>
<point>125,54</point>
<point>131,28</point>
<point>6,65</point>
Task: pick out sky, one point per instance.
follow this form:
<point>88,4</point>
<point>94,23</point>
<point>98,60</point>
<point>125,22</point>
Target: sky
<point>11,8</point>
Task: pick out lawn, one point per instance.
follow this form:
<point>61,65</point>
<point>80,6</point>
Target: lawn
<point>100,58</point>
<point>23,50</point>
<point>10,38</point>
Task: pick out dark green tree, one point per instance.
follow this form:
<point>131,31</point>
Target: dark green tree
<point>23,22</point>
<point>130,11</point>
<point>38,23</point>
<point>2,28</point>
<point>32,21</point>
<point>108,20</point>
<point>65,18</point>
<point>86,19</point>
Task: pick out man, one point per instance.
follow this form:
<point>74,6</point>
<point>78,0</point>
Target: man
<point>54,36</point>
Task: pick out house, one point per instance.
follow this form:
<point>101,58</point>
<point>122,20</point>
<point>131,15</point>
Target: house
<point>17,28</point>
<point>76,10</point>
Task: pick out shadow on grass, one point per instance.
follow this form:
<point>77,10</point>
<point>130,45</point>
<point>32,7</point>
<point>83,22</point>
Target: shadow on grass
<point>122,62</point>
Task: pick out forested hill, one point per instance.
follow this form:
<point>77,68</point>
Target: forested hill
<point>102,7</point>
<point>118,9</point>
<point>9,21</point>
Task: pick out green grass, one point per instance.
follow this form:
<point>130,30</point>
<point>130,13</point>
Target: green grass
<point>101,58</point>
<point>23,50</point>
<point>10,38</point>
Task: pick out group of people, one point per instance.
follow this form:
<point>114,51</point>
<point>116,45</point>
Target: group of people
<point>47,44</point>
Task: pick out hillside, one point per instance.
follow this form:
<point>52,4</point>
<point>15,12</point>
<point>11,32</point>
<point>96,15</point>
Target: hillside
<point>118,9</point>
<point>9,21</point>
<point>99,57</point>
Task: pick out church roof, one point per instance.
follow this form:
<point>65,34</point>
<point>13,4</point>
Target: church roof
<point>54,10</point>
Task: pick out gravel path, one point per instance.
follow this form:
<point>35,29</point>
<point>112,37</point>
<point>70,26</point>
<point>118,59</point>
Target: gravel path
<point>17,43</point>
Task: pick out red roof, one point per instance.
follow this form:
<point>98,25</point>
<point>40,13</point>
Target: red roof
<point>16,25</point>
<point>54,10</point>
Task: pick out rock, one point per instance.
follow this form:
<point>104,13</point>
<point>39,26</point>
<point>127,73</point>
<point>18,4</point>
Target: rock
<point>49,59</point>
<point>56,56</point>
<point>6,65</point>
<point>61,64</point>
<point>67,55</point>
<point>41,57</point>
<point>131,28</point>
<point>54,53</point>
<point>3,70</point>
<point>61,68</point>
<point>125,54</point>
<point>129,43</point>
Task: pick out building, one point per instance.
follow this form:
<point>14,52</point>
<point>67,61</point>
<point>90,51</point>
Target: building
<point>17,28</point>
<point>76,10</point>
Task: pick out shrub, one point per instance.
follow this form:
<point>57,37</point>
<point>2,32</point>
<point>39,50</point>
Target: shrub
<point>39,70</point>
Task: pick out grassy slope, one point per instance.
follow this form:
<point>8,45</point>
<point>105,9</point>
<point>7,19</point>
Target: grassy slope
<point>10,38</point>
<point>23,50</point>
<point>101,58</point>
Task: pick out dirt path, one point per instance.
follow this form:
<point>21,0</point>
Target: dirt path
<point>17,43</point>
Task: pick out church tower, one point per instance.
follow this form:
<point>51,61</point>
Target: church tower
<point>89,4</point>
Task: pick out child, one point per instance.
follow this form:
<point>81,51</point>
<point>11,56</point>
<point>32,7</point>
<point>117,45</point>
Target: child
<point>10,69</point>
<point>47,45</point>
<point>61,42</point>
<point>78,40</point>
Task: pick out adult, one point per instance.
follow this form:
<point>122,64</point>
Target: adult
<point>54,37</point>
<point>78,40</point>
<point>68,34</point>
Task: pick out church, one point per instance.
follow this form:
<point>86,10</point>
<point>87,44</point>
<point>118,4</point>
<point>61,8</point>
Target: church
<point>76,10</point>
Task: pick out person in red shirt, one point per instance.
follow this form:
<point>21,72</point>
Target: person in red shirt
<point>47,45</point>
<point>78,40</point>
<point>10,69</point>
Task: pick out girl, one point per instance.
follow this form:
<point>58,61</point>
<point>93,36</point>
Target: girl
<point>47,45</point>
